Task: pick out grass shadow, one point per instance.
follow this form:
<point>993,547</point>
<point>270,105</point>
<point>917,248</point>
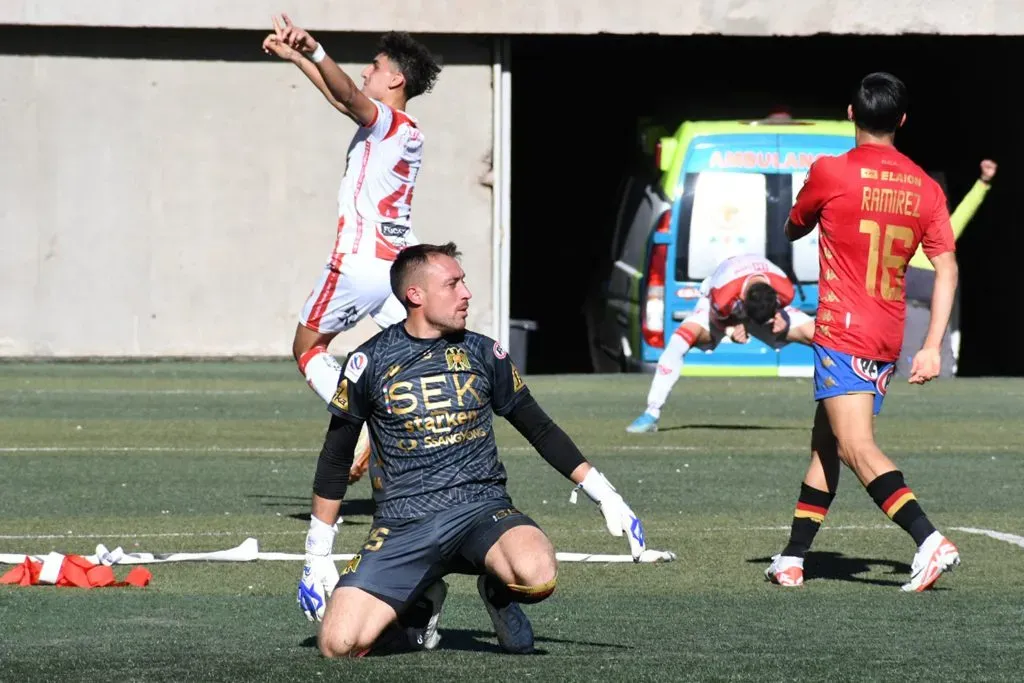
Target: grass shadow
<point>475,640</point>
<point>832,566</point>
<point>735,428</point>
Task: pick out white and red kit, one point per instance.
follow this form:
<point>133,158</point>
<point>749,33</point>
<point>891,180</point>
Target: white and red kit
<point>374,224</point>
<point>722,298</point>
<point>719,308</point>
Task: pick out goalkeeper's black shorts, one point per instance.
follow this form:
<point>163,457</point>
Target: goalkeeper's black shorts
<point>402,557</point>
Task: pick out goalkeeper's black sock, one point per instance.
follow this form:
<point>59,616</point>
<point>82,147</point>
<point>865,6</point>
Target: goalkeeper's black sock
<point>496,592</point>
<point>811,508</point>
<point>900,504</point>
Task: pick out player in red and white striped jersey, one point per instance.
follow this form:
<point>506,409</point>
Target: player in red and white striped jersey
<point>375,194</point>
<point>747,293</point>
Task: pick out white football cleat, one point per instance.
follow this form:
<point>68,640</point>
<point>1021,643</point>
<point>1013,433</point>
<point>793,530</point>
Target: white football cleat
<point>786,570</point>
<point>935,556</point>
<point>436,593</point>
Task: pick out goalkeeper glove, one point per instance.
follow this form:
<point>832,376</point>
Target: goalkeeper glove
<point>618,517</point>
<point>319,576</point>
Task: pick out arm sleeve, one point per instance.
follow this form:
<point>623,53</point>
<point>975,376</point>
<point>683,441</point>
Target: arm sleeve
<point>507,386</point>
<point>961,216</point>
<point>381,123</point>
<point>965,211</point>
<point>938,232</point>
<point>352,398</point>
<point>811,197</point>
<point>332,467</point>
<point>553,444</point>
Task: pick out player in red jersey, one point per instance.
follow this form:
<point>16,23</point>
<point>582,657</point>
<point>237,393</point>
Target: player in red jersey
<point>874,207</point>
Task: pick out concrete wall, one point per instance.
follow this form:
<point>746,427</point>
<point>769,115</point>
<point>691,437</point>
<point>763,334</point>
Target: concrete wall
<point>730,17</point>
<point>186,206</point>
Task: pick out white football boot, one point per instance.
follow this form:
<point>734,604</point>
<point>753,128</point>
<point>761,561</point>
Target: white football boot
<point>935,556</point>
<point>786,570</point>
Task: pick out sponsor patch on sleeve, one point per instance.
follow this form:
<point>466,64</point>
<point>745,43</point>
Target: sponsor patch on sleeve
<point>356,365</point>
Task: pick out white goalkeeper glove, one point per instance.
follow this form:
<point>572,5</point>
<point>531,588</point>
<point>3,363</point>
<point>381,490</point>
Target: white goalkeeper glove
<point>319,576</point>
<point>618,517</point>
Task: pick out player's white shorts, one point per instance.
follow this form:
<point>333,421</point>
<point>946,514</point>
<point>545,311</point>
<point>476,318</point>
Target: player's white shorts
<point>341,298</point>
<point>702,316</point>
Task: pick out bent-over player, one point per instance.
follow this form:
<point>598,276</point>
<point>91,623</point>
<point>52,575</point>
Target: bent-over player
<point>747,293</point>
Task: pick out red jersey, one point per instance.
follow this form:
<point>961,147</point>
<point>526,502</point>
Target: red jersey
<point>873,206</point>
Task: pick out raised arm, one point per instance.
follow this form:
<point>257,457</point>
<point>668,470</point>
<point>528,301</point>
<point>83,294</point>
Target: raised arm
<point>967,207</point>
<point>341,89</point>
<point>272,45</point>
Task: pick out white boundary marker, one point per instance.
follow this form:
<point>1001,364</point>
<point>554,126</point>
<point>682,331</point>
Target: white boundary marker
<point>248,551</point>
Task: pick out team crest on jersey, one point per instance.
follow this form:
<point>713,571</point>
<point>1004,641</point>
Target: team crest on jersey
<point>499,351</point>
<point>865,369</point>
<point>457,358</point>
<point>355,366</point>
<point>340,399</point>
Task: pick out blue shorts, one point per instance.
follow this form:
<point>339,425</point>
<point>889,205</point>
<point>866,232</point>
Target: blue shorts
<point>837,373</point>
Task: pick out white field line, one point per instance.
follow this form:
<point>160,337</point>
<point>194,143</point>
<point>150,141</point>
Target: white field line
<point>998,535</point>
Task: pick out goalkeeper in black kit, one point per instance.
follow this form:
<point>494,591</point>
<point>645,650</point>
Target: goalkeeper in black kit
<point>429,389</point>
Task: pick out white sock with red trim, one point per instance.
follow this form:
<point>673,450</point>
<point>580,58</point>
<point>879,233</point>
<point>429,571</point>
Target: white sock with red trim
<point>321,371</point>
<point>666,374</point>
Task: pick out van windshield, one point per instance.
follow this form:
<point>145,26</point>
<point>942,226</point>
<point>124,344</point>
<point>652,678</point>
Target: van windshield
<point>723,213</point>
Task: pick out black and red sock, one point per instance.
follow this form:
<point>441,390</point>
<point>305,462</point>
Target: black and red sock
<point>899,503</point>
<point>811,508</point>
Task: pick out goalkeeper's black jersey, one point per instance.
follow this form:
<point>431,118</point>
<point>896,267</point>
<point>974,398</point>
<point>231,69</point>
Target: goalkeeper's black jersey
<point>430,405</point>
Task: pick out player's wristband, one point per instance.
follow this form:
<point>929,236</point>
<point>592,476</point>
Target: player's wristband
<point>320,537</point>
<point>318,54</point>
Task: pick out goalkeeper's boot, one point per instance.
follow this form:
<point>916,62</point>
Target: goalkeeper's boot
<point>786,570</point>
<point>435,594</point>
<point>361,464</point>
<point>416,628</point>
<point>935,556</point>
<point>644,423</point>
<point>515,634</point>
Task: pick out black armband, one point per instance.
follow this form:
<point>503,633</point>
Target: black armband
<point>553,444</point>
<point>331,478</point>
